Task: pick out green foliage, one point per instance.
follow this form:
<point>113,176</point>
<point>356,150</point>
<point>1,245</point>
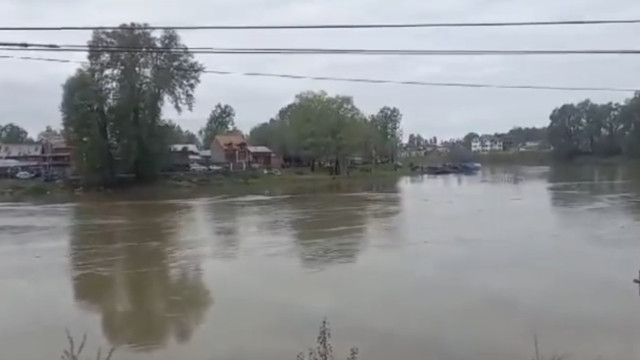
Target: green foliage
<point>595,129</point>
<point>112,107</point>
<point>416,141</point>
<point>469,138</point>
<point>14,134</point>
<point>176,135</point>
<point>386,124</point>
<point>74,353</point>
<point>520,135</point>
<point>220,121</point>
<point>324,349</point>
<point>319,129</point>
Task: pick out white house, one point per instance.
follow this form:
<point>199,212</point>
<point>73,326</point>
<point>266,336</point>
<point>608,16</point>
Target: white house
<point>487,143</point>
<point>476,145</point>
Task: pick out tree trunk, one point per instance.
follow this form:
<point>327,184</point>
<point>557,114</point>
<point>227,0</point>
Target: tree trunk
<point>108,171</point>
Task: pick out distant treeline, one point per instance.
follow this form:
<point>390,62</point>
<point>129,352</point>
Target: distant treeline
<point>603,130</point>
<point>585,128</point>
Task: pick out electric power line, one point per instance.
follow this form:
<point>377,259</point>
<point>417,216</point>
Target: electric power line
<point>310,51</point>
<point>421,83</point>
<point>331,26</point>
<point>365,80</point>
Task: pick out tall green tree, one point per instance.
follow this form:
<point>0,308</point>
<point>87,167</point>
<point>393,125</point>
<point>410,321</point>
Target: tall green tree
<point>566,130</point>
<point>387,122</point>
<point>221,120</point>
<point>112,107</point>
<point>629,117</point>
<point>86,123</point>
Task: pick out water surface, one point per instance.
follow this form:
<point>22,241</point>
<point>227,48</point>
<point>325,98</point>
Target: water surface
<point>445,268</point>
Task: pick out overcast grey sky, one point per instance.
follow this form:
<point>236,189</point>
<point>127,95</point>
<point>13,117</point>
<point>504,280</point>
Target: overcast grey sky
<point>30,91</point>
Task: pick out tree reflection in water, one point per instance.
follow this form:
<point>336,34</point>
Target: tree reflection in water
<point>593,186</point>
<point>332,227</point>
<point>127,266</point>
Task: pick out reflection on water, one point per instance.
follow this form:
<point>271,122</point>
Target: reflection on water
<point>327,231</point>
<point>595,187</point>
<point>224,220</point>
<point>128,266</point>
<point>446,267</point>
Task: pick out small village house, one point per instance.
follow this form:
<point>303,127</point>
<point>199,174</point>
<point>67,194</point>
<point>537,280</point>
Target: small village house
<point>51,154</point>
<point>20,157</point>
<point>22,152</point>
<point>56,154</point>
<point>261,156</point>
<point>230,149</point>
<point>182,156</point>
<point>233,150</point>
<point>205,157</point>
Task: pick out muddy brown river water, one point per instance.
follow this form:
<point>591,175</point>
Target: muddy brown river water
<point>444,268</point>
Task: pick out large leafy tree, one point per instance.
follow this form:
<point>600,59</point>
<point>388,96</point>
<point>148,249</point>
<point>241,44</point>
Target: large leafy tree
<point>318,129</point>
<point>221,120</point>
<point>387,123</point>
<point>629,125</point>
<point>14,134</point>
<point>597,129</point>
<point>112,107</point>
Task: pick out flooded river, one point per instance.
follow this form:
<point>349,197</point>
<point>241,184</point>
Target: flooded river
<point>446,268</point>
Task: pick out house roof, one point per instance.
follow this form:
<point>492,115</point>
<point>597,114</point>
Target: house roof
<point>16,150</point>
<point>233,139</point>
<point>490,138</point>
<point>9,163</point>
<point>190,148</point>
<point>259,149</point>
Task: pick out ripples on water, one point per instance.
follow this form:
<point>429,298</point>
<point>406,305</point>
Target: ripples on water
<point>429,267</point>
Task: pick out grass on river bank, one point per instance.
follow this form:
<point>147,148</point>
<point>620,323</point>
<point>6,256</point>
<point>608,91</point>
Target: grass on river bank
<point>323,349</point>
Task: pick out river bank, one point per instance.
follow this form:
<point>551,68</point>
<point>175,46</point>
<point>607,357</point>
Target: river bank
<point>205,183</point>
<point>524,158</point>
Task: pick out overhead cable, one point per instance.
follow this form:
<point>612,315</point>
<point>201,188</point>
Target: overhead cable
<point>367,80</point>
<point>311,51</point>
<point>329,26</point>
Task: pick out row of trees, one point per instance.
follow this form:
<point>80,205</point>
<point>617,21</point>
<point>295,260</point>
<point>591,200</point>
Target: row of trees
<point>15,134</point>
<point>317,128</point>
<point>416,141</point>
<point>596,129</point>
<point>112,112</point>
